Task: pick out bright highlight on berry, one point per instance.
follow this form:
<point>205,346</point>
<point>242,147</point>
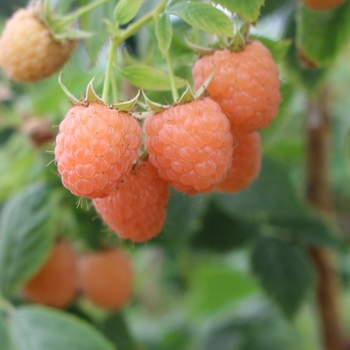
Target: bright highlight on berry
<point>190,145</point>
<point>136,209</point>
<point>106,278</point>
<point>245,85</point>
<point>95,148</point>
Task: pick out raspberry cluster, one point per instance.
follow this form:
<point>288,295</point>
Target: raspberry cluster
<point>206,144</point>
<point>198,145</point>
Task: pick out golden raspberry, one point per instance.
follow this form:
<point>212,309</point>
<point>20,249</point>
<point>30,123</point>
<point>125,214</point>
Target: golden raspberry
<point>28,52</point>
<point>246,162</point>
<point>245,85</point>
<point>136,209</point>
<point>190,145</point>
<point>95,148</point>
<point>106,278</point>
<point>56,283</point>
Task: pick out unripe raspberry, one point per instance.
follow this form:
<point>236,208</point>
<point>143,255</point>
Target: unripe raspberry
<point>106,278</point>
<point>136,209</point>
<point>28,51</point>
<point>190,145</point>
<point>246,162</point>
<point>56,283</point>
<point>95,148</point>
<point>245,85</point>
<point>322,5</point>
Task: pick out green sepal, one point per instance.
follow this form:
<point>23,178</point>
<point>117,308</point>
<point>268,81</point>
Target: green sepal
<point>200,50</point>
<point>91,95</point>
<point>72,99</point>
<point>73,34</point>
<point>204,86</point>
<point>238,43</point>
<point>153,106</point>
<point>187,96</point>
<point>61,26</point>
<point>126,105</point>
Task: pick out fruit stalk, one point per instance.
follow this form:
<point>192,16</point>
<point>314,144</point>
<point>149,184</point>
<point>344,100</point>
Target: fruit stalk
<point>117,40</point>
<point>172,78</point>
<point>319,195</point>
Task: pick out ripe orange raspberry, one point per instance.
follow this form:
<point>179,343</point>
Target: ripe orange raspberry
<point>190,145</point>
<point>245,85</point>
<point>246,162</point>
<point>323,5</point>
<point>136,209</point>
<point>28,51</point>
<point>106,278</point>
<point>95,148</point>
<point>56,283</point>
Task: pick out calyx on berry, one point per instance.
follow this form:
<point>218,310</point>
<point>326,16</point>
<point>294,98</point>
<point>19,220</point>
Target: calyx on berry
<point>187,96</point>
<point>92,97</point>
<point>62,26</point>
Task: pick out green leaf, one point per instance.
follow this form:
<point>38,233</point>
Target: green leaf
<point>204,17</point>
<point>182,216</point>
<point>115,328</point>
<point>247,9</point>
<point>6,134</point>
<point>270,195</point>
<point>5,338</point>
<point>307,230</point>
<point>39,328</point>
<point>149,78</point>
<point>321,35</point>
<point>310,79</point>
<point>220,232</point>
<point>278,48</point>
<point>164,33</point>
<point>271,6</point>
<point>25,236</point>
<point>284,272</point>
<point>126,10</point>
<point>214,285</point>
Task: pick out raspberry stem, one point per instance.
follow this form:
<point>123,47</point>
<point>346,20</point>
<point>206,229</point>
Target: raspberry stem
<point>70,18</point>
<point>172,78</point>
<point>109,69</point>
<point>117,40</point>
<point>134,27</point>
